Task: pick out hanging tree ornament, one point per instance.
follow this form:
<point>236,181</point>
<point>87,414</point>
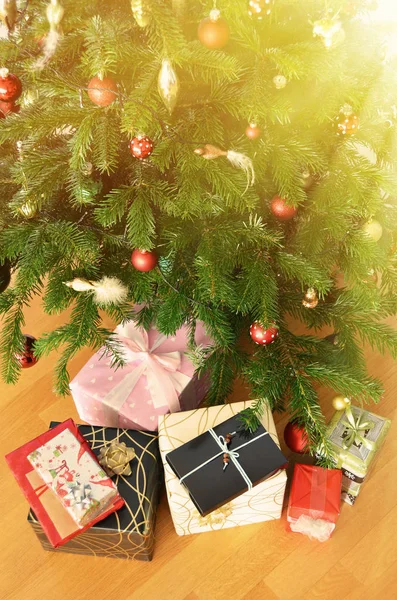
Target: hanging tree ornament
<point>329,30</point>
<point>253,131</point>
<point>28,209</point>
<point>10,86</point>
<point>258,9</point>
<point>54,13</point>
<point>26,358</point>
<point>108,290</point>
<point>237,159</point>
<point>310,299</point>
<point>102,91</point>
<point>280,82</point>
<point>213,31</point>
<point>262,335</point>
<point>281,210</point>
<point>347,122</point>
<point>141,146</point>
<point>340,402</point>
<point>168,85</point>
<point>373,229</point>
<point>5,275</point>
<point>140,12</point>
<point>9,13</point>
<point>144,260</point>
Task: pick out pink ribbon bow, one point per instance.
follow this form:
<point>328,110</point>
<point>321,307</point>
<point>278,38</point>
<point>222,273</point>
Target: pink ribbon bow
<point>160,368</point>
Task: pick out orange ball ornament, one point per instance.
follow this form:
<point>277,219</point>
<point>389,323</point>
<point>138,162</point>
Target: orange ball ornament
<point>10,86</point>
<point>253,131</point>
<point>101,91</point>
<point>213,31</point>
<point>282,210</point>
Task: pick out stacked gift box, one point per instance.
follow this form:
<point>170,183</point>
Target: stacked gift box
<point>93,489</point>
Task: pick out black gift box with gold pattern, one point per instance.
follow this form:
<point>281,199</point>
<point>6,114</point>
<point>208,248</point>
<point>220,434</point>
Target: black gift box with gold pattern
<point>128,533</point>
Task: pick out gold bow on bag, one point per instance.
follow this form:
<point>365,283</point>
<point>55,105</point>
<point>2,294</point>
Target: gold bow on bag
<point>116,458</point>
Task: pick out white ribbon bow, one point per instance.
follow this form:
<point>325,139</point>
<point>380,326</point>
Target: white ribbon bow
<point>160,368</point>
<point>315,529</point>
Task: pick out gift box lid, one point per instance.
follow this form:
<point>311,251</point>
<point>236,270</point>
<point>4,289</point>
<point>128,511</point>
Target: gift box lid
<point>199,463</point>
<point>315,492</point>
<point>41,499</point>
<point>139,490</point>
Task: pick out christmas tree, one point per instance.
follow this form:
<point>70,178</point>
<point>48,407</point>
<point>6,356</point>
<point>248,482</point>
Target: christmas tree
<point>231,164</point>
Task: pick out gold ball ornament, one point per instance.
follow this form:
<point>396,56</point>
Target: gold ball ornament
<point>213,31</point>
<point>340,402</point>
<point>279,82</point>
<point>374,229</point>
<point>310,299</point>
<point>307,180</point>
<point>28,210</point>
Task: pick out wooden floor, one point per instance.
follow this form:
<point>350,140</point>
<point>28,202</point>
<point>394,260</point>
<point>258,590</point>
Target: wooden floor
<point>255,562</point>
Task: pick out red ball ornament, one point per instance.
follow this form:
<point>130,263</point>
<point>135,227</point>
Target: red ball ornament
<point>10,86</point>
<point>141,146</point>
<point>101,91</point>
<point>296,438</point>
<point>144,260</point>
<point>27,359</point>
<point>263,336</point>
<point>213,31</point>
<point>252,132</point>
<point>282,210</point>
<point>8,107</point>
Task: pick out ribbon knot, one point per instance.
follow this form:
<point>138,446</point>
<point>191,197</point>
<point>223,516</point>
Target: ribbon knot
<point>220,440</point>
<point>355,428</point>
<point>161,369</point>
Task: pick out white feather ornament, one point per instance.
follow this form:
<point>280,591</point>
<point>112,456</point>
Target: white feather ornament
<point>108,290</point>
<point>237,159</point>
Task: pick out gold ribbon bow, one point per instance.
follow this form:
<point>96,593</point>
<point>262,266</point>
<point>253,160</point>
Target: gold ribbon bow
<point>116,458</point>
<point>355,428</point>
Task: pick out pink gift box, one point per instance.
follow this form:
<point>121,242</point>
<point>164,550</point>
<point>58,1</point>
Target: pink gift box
<point>157,378</point>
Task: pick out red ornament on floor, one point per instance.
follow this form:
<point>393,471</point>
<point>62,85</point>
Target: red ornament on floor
<point>282,210</point>
<point>27,359</point>
<point>10,86</point>
<point>101,91</point>
<point>296,438</point>
<point>144,260</point>
<point>141,146</point>
<point>261,335</point>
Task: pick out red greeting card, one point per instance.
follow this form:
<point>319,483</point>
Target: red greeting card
<point>56,521</point>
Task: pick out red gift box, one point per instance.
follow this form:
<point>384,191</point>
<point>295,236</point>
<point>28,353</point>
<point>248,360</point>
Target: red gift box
<point>316,495</point>
<point>57,523</point>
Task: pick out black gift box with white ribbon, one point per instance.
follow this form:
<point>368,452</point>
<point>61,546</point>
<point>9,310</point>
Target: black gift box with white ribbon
<point>201,463</point>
